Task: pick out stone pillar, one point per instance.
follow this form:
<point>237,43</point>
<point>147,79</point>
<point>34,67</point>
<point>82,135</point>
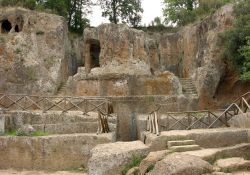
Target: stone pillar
<point>87,58</point>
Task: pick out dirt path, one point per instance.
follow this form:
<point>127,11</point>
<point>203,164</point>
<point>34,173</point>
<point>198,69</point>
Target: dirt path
<point>14,172</point>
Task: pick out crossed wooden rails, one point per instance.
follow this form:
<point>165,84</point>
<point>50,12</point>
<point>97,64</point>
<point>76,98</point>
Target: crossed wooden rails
<point>86,105</point>
<point>190,119</point>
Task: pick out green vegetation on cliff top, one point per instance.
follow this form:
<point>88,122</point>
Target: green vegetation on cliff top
<point>236,41</point>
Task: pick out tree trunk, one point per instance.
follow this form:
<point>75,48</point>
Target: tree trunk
<point>190,5</point>
<point>114,4</point>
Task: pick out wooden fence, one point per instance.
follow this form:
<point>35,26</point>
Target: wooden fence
<point>198,119</point>
<point>86,105</point>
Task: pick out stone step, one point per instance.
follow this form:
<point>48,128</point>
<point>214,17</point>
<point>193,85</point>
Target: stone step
<point>188,87</point>
<point>187,82</point>
<point>232,164</point>
<point>192,90</point>
<point>62,89</point>
<point>180,143</point>
<point>185,79</point>
<point>190,93</point>
<point>185,148</point>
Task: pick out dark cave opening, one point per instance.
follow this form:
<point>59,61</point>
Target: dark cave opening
<point>6,26</point>
<point>95,50</point>
<point>17,28</point>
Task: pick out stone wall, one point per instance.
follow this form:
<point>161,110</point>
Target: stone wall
<point>58,152</point>
<point>56,122</point>
<point>123,85</point>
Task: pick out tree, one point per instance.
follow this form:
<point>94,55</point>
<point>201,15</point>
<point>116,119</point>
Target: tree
<point>182,12</point>
<point>179,12</point>
<point>75,11</point>
<point>157,21</point>
<point>126,11</point>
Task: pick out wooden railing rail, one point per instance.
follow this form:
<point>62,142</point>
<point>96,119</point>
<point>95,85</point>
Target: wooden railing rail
<point>53,103</point>
<point>205,118</point>
<point>86,105</point>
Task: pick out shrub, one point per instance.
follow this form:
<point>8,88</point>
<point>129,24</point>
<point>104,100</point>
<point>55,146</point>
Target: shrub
<point>30,4</point>
<point>236,41</point>
<point>136,160</point>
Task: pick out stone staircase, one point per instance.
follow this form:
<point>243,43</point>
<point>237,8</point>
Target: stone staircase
<point>183,145</point>
<point>61,90</point>
<point>188,87</point>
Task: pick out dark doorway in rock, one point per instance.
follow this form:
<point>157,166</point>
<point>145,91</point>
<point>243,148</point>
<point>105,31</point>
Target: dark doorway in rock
<point>6,26</point>
<point>17,28</point>
<point>95,50</point>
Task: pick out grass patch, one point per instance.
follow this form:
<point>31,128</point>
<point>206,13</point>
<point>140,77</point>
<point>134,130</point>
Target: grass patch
<point>247,156</point>
<point>136,160</point>
<point>40,32</point>
<point>214,159</point>
<point>150,168</point>
<point>13,132</point>
<point>39,133</point>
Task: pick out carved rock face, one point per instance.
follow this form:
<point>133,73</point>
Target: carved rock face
<point>191,53</point>
<point>33,51</point>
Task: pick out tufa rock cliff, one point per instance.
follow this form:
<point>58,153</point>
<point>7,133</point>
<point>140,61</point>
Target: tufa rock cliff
<point>33,51</point>
<point>36,56</point>
<point>191,53</point>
